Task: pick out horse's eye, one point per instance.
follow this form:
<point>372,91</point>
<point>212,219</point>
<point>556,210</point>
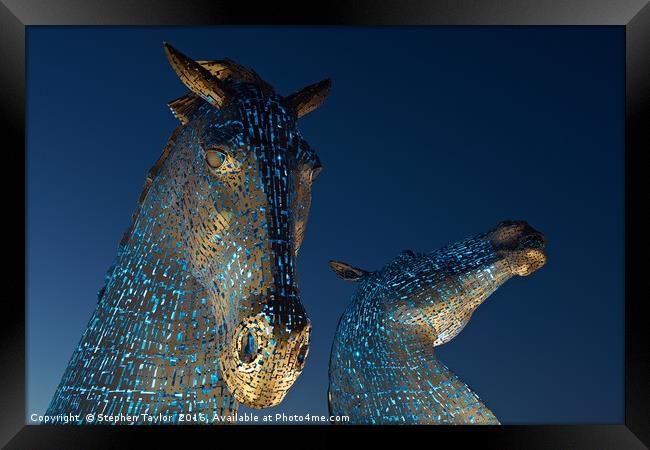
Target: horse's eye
<point>215,158</point>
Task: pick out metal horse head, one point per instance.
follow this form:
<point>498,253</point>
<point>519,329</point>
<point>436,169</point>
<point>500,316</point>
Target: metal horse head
<point>383,368</point>
<point>200,308</point>
<point>246,193</point>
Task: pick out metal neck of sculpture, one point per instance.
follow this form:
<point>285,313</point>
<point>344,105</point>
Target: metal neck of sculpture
<point>201,305</point>
<point>383,368</point>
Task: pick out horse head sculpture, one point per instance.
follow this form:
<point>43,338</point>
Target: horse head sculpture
<point>201,307</point>
<point>382,367</point>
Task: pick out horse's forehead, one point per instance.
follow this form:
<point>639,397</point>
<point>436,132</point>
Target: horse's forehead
<point>252,98</point>
<point>263,115</point>
<point>254,122</point>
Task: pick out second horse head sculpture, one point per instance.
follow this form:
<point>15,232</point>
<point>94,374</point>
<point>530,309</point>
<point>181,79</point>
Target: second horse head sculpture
<point>383,367</point>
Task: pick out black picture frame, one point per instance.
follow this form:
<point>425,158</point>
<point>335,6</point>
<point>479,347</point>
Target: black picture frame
<point>634,15</point>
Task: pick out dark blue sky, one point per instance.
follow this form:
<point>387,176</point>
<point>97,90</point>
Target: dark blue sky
<point>430,135</point>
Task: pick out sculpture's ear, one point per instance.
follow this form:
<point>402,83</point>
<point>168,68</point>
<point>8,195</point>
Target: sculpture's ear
<point>183,107</point>
<point>309,98</point>
<point>347,272</point>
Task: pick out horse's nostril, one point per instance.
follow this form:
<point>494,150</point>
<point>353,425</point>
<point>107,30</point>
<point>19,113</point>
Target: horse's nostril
<point>302,354</point>
<point>535,240</point>
<point>531,243</point>
<point>248,347</point>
